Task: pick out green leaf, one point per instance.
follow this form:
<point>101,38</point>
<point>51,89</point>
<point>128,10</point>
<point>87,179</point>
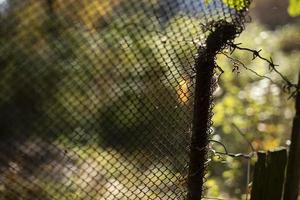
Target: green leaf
<point>294,8</point>
<point>236,4</point>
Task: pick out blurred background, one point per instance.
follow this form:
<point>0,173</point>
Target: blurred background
<point>95,120</point>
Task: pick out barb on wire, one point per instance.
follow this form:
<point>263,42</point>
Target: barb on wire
<point>237,64</point>
<point>288,86</point>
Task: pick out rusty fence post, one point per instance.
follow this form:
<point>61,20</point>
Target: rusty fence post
<point>205,65</point>
<point>199,140</point>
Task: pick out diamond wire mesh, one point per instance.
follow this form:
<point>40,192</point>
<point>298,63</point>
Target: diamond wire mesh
<point>96,96</point>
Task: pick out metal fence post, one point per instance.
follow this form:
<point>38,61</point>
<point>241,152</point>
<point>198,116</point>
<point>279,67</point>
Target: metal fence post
<point>199,140</point>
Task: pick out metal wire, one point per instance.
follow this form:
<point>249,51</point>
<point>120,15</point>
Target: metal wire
<point>97,96</point>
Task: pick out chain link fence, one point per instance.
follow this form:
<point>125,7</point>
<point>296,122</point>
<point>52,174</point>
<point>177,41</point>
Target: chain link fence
<point>97,96</point>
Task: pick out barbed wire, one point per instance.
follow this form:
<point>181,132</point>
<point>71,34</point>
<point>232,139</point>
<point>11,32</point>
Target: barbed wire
<point>248,156</point>
<point>291,88</point>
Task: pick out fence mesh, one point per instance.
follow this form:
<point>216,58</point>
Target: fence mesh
<point>97,96</point>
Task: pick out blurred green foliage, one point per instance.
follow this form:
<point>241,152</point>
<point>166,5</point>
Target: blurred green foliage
<point>294,8</point>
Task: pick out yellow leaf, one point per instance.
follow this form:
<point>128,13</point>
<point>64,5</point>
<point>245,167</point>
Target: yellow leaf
<point>183,92</point>
<point>270,144</point>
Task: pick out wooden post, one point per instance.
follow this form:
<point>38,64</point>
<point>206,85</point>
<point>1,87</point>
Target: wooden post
<point>269,176</point>
<point>293,169</point>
